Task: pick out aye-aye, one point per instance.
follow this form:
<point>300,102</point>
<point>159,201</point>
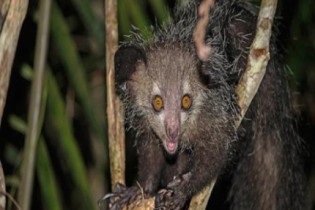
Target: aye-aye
<point>183,111</point>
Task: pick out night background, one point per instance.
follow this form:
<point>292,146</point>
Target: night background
<point>71,169</point>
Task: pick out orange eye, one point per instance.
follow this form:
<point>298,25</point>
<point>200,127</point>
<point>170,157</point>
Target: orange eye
<point>186,102</point>
<point>157,103</point>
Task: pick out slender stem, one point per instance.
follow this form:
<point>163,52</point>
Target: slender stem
<point>2,189</point>
<point>25,190</point>
<point>116,137</point>
<point>202,49</point>
<point>258,57</point>
<point>11,18</point>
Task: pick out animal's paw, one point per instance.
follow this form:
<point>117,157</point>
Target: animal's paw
<point>179,181</point>
<point>167,199</point>
<point>173,197</point>
<point>121,197</point>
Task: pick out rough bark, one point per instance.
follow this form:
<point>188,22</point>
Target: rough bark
<point>116,133</point>
<point>12,15</point>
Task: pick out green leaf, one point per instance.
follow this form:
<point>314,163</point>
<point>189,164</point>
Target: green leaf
<point>74,68</point>
<point>47,180</point>
<point>57,116</point>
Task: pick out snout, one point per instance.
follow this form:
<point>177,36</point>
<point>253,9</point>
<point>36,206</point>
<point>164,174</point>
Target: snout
<point>172,132</point>
<point>172,129</point>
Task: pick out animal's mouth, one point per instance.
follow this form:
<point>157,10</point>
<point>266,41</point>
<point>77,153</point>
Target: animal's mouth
<point>171,146</point>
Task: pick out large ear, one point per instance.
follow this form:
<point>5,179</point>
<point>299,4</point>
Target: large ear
<point>240,34</point>
<point>126,59</point>
<point>232,29</point>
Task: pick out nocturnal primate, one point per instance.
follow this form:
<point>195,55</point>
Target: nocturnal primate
<point>183,111</point>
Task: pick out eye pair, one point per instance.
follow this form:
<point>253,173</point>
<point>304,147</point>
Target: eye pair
<point>158,104</point>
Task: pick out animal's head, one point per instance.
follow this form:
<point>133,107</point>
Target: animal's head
<point>161,85</point>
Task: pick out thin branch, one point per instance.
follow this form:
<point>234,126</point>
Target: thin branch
<point>2,189</point>
<point>256,67</point>
<point>200,201</point>
<point>32,133</point>
<point>5,194</point>
<point>116,133</point>
<point>203,51</point>
<point>11,22</point>
<point>12,14</point>
<point>258,57</point>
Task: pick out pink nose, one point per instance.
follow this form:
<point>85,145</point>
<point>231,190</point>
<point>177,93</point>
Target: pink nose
<point>172,132</point>
<point>172,126</point>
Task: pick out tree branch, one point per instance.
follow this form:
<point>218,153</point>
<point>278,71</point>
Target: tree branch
<point>12,14</point>
<point>2,189</point>
<point>10,24</point>
<point>33,129</point>
<point>202,49</point>
<point>246,90</point>
<point>116,133</point>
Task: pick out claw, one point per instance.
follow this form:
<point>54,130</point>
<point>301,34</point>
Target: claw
<point>109,195</point>
<point>172,197</point>
<point>119,188</point>
<point>120,197</point>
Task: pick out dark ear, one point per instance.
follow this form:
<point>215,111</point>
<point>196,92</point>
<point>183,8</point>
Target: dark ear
<point>241,32</point>
<point>126,59</point>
